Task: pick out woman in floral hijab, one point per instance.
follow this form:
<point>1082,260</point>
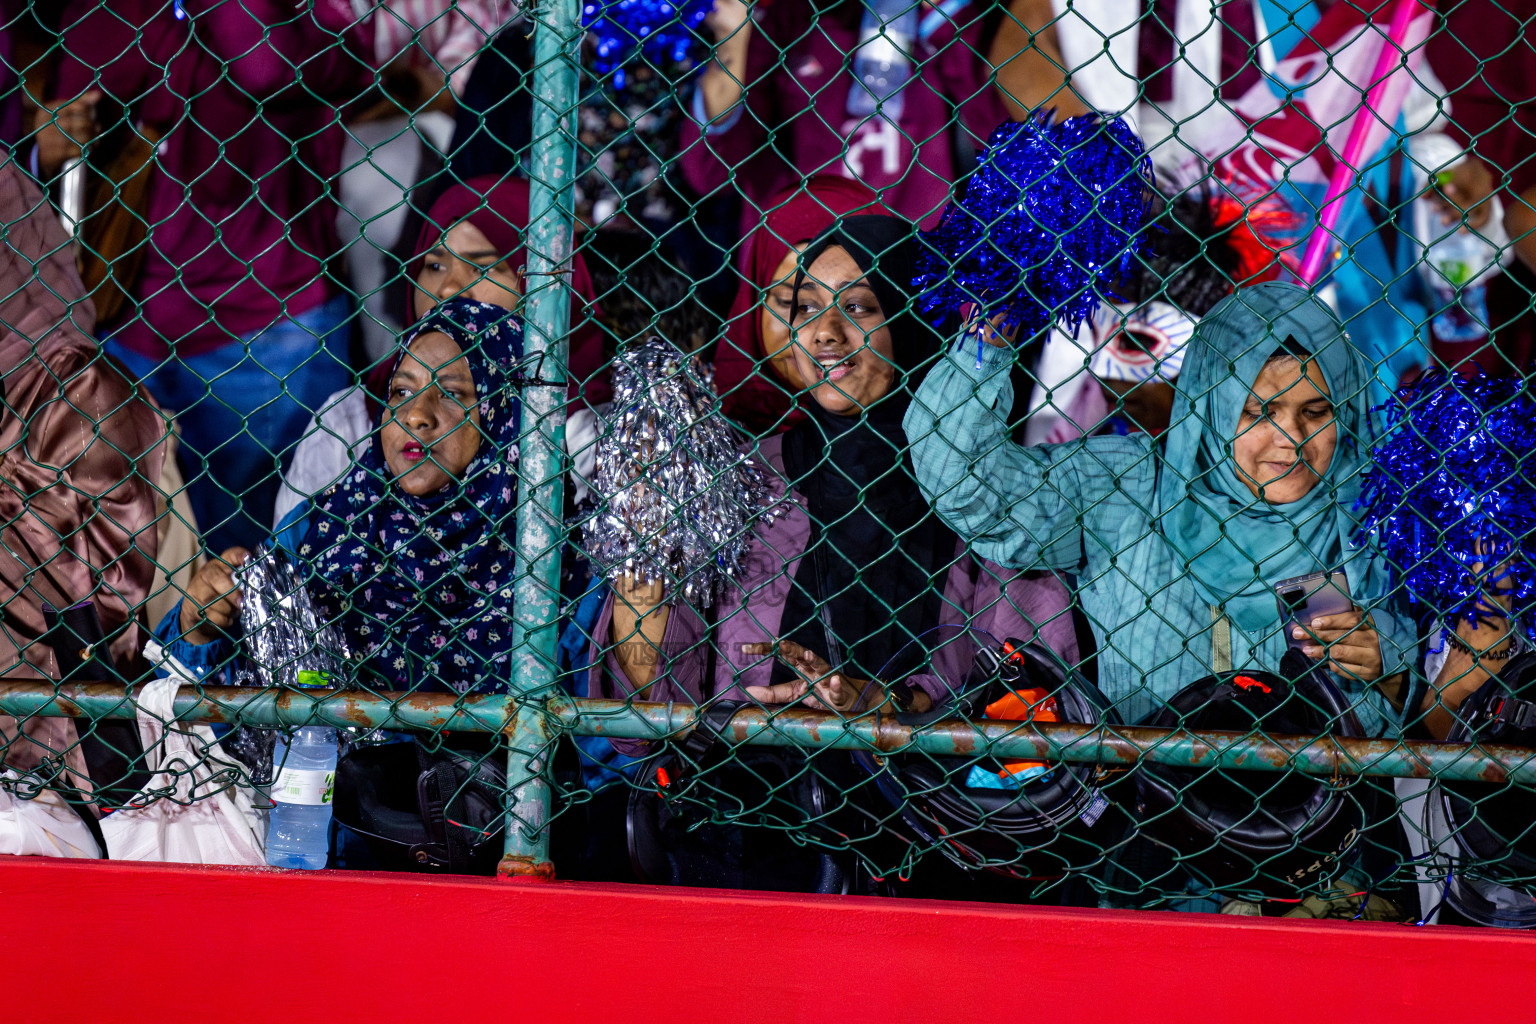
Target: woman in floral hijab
<point>411,552</point>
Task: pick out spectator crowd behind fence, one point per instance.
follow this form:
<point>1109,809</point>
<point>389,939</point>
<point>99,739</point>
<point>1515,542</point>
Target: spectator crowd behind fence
<point>1067,453</point>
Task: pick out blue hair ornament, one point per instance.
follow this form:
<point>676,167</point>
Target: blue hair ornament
<point>1448,493</point>
<point>664,32</point>
<point>1052,219</point>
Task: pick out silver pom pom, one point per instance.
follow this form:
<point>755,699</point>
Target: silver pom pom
<point>288,641</point>
<point>676,497</point>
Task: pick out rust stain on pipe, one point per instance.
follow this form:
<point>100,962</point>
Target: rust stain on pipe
<point>1112,746</point>
<point>525,869</point>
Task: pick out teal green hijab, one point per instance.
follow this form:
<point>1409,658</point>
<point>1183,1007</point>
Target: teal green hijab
<point>1237,546</point>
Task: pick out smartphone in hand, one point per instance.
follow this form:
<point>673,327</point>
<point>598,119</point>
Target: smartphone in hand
<point>1304,598</point>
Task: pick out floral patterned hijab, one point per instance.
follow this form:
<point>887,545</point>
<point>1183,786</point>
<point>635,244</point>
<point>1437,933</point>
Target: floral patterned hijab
<point>422,585</point>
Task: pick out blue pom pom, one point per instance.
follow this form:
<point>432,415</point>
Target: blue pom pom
<point>662,30</point>
<point>1448,491</point>
<point>1051,220</point>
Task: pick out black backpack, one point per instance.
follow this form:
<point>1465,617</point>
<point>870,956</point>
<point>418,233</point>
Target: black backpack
<point>1043,829</point>
<point>710,814</point>
<point>424,810</point>
<point>1492,832</point>
<point>1258,834</point>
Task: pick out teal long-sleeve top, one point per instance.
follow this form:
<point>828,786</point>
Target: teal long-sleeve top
<point>1088,507</point>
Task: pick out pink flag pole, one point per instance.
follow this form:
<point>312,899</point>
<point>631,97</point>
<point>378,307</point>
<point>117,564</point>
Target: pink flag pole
<point>1344,174</point>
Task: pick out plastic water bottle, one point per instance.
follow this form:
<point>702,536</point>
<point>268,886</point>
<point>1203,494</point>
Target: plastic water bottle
<point>299,830</point>
<point>882,63</point>
<point>1455,265</point>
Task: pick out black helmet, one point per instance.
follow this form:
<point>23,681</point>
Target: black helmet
<point>1257,834</point>
<point>1485,832</point>
<point>423,810</point>
<point>709,814</point>
<point>1050,825</point>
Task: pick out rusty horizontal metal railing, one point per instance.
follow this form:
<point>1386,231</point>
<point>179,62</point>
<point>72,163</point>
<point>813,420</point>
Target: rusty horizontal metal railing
<point>1121,746</point>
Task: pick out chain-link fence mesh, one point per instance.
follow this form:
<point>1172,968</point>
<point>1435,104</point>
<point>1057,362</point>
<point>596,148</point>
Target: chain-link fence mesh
<point>1058,452</point>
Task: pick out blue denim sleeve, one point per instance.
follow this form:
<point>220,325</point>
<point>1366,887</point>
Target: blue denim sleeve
<point>290,533</point>
<point>203,659</point>
<point>699,114</point>
<point>206,660</point>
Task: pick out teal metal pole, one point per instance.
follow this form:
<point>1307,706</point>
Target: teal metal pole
<point>530,741</point>
<point>530,725</point>
<point>1124,746</point>
<point>421,712</point>
<point>541,445</point>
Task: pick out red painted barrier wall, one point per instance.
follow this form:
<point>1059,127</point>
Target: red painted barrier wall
<point>124,943</point>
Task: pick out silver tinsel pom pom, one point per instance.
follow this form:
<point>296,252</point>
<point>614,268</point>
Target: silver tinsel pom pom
<point>676,498</point>
<point>288,641</point>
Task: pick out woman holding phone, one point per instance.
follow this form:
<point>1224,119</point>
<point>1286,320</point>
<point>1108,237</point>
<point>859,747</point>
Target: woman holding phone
<point>1177,548</point>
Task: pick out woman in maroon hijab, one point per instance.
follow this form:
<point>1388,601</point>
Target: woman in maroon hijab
<point>471,246</point>
<point>754,368</point>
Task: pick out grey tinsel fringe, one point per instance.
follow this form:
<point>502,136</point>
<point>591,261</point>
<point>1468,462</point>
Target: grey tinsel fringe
<point>285,633</point>
<point>676,498</point>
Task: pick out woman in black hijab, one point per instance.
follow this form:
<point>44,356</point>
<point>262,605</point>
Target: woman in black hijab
<point>855,565</point>
<point>870,581</point>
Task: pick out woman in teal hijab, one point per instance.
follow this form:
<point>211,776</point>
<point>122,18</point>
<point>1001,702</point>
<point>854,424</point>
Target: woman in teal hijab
<point>1177,549</point>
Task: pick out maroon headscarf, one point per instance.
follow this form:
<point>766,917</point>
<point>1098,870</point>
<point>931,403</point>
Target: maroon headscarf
<point>751,393</point>
<point>499,208</point>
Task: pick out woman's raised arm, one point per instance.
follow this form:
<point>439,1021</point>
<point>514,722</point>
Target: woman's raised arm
<point>640,617</point>
<point>724,78</point>
<point>1019,507</point>
<point>733,107</point>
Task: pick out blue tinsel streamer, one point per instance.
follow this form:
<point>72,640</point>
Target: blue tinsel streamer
<point>1449,479</point>
<point>1050,221</point>
<point>664,32</point>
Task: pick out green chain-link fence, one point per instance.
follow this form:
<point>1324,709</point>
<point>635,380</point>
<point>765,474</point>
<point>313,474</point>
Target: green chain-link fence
<point>730,560</point>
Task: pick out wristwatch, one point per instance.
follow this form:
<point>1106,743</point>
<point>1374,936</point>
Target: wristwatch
<point>901,694</point>
<point>1508,652</point>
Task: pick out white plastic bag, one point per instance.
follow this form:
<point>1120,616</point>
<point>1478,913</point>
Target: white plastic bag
<point>210,818</point>
<point>43,826</point>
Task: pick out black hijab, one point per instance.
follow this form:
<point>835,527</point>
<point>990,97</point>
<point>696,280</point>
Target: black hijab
<point>872,576</point>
